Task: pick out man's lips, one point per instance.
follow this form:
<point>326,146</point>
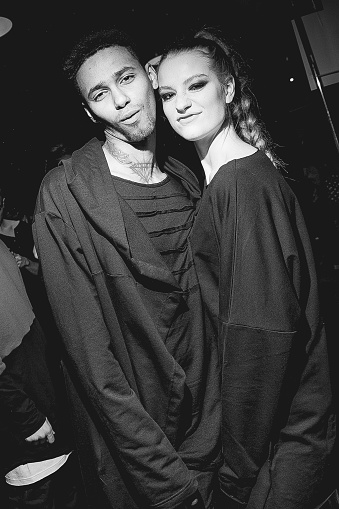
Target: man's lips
<point>129,116</point>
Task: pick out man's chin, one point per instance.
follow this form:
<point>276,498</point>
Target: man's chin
<point>134,134</point>
<point>139,135</point>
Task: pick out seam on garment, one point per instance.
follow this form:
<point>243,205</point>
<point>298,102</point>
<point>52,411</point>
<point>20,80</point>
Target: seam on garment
<point>235,236</point>
<point>52,214</point>
<point>257,328</point>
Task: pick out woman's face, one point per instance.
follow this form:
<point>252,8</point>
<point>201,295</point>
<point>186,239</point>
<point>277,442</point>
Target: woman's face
<point>193,99</point>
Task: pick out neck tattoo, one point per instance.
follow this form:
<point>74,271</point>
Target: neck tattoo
<point>144,169</point>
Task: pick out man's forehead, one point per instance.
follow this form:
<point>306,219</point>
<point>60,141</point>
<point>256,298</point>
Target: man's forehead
<point>105,65</point>
<point>115,56</point>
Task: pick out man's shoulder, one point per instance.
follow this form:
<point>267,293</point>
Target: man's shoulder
<point>53,177</point>
<point>179,170</point>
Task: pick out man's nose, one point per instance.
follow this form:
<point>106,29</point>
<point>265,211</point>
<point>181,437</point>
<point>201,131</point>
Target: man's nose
<point>120,99</point>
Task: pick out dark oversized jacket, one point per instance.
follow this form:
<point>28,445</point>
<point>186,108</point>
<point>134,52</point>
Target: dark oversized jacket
<point>114,300</point>
<point>257,275</point>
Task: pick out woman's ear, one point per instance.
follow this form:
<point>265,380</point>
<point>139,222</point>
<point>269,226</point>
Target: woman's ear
<point>230,90</point>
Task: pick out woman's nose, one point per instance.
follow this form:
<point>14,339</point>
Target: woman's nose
<point>183,103</point>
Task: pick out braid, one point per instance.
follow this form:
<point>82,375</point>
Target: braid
<point>246,121</point>
<point>248,125</point>
<point>244,107</point>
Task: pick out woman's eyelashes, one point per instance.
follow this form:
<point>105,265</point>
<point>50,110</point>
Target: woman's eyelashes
<point>198,85</point>
<point>166,96</point>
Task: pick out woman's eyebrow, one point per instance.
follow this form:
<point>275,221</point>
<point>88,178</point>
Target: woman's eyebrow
<point>187,80</point>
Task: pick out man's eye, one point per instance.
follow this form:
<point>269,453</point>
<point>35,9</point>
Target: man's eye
<point>127,78</point>
<point>166,97</point>
<point>99,96</point>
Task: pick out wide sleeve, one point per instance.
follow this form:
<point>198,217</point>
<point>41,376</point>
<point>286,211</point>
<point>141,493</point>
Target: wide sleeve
<point>276,392</point>
<point>150,462</point>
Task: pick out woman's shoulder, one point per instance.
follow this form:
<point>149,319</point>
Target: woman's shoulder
<point>253,170</point>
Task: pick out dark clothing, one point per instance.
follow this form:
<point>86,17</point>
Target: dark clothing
<point>27,397</point>
<point>258,281</point>
<point>144,422</point>
<point>167,215</point>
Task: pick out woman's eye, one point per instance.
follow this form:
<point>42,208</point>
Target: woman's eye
<point>198,85</point>
<point>166,97</point>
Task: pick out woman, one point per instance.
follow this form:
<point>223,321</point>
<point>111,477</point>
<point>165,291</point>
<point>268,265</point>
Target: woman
<point>258,280</point>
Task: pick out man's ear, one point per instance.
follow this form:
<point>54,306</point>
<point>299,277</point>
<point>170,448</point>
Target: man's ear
<point>230,90</point>
<point>151,69</point>
<point>88,112</point>
<point>152,74</point>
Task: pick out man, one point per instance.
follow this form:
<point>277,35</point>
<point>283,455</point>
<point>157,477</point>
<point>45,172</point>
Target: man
<point>111,227</point>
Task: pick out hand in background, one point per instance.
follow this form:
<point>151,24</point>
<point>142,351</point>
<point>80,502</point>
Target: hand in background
<point>2,366</point>
<point>31,265</point>
<point>21,261</point>
<point>44,433</point>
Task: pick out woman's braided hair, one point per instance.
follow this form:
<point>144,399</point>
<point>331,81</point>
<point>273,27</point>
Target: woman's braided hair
<point>227,63</point>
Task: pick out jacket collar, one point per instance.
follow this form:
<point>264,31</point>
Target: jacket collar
<point>92,186</point>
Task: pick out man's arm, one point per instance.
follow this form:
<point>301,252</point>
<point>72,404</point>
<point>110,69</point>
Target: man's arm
<point>150,461</point>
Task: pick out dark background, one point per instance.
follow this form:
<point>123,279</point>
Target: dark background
<point>38,110</point>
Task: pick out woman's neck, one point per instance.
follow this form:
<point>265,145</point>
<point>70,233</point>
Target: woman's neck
<point>225,147</point>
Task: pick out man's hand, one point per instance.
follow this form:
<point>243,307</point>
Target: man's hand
<point>45,433</point>
<point>193,502</point>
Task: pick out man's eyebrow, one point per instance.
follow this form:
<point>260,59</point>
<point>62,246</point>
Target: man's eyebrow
<point>116,75</point>
<point>188,80</point>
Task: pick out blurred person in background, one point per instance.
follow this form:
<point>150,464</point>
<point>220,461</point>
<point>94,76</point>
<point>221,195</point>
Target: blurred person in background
<point>35,436</point>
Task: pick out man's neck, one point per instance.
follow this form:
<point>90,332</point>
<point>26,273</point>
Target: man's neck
<point>135,163</point>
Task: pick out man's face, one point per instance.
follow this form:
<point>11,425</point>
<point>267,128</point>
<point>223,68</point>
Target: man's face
<point>118,92</point>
